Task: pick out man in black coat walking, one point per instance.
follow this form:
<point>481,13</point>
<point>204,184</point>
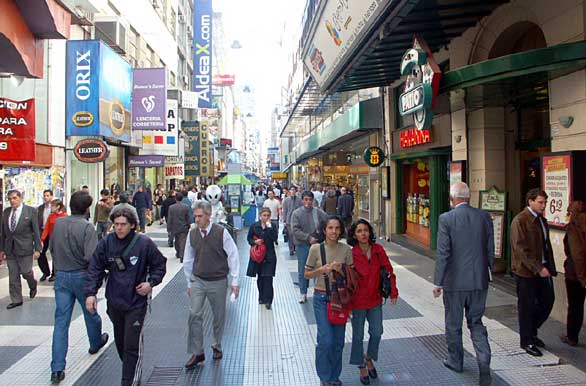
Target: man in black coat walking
<point>178,223</point>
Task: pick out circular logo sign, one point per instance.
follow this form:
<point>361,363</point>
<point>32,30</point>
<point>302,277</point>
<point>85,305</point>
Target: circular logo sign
<point>117,117</point>
<point>82,118</point>
<point>91,150</point>
<point>374,156</point>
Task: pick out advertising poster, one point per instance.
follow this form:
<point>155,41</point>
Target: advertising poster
<point>98,91</point>
<point>192,148</point>
<point>557,184</point>
<point>149,99</point>
<point>163,142</point>
<point>498,220</point>
<point>205,155</point>
<point>202,49</point>
<point>32,182</point>
<point>174,168</point>
<point>17,130</point>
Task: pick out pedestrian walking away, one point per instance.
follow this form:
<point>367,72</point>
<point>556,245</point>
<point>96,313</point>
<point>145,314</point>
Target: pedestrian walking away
<point>124,203</point>
<point>135,266</point>
<point>533,266</point>
<point>102,213</point>
<point>290,203</point>
<point>43,212</point>
<point>345,208</point>
<point>575,271</point>
<point>142,202</point>
<point>57,211</point>
<point>210,263</point>
<point>178,223</point>
<point>464,260</point>
<point>330,337</point>
<point>72,246</point>
<point>306,222</point>
<point>20,243</point>
<point>170,200</point>
<point>264,232</point>
<point>368,258</point>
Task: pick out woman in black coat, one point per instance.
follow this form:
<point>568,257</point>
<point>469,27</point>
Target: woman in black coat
<point>266,233</point>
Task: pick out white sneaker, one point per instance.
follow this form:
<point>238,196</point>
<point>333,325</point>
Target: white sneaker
<point>302,299</point>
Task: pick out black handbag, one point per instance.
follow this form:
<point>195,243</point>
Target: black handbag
<point>386,285</point>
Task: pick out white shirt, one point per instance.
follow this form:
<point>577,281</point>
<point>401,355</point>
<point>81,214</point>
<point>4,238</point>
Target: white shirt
<point>46,213</point>
<point>18,213</point>
<point>230,249</point>
<point>542,229</point>
<point>319,196</point>
<point>274,206</point>
<point>192,197</point>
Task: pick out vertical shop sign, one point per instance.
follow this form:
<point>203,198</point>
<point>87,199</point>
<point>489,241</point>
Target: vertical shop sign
<point>192,148</point>
<point>149,99</point>
<point>98,91</point>
<point>17,130</point>
<point>557,183</point>
<point>163,142</point>
<point>205,156</point>
<point>202,51</point>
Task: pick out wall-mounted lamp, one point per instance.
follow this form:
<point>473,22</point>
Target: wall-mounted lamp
<point>458,138</point>
<point>566,121</point>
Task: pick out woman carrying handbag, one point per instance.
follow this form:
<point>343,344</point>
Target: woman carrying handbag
<point>369,259</point>
<point>323,259</point>
<point>263,233</point>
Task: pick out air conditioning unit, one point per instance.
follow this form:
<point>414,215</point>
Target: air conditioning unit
<point>111,32</point>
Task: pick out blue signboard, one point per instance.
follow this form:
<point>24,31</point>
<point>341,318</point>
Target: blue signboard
<point>202,51</point>
<point>98,91</point>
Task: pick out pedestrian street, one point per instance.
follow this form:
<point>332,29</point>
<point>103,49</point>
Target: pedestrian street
<point>266,347</point>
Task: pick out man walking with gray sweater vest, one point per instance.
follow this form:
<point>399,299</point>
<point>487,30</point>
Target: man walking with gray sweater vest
<point>211,263</point>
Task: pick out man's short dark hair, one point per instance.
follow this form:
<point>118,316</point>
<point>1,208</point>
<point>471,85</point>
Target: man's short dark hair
<point>80,202</point>
<point>125,212</point>
<point>534,193</point>
<point>124,198</point>
<point>14,191</point>
<point>307,193</point>
<point>85,187</point>
<point>48,191</point>
<point>105,192</point>
<point>178,197</point>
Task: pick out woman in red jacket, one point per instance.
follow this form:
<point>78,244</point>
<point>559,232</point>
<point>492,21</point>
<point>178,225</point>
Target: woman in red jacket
<point>57,210</point>
<point>368,257</point>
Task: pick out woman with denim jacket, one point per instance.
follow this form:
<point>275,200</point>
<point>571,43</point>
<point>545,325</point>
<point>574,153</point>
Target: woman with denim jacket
<point>369,257</point>
<point>330,337</point>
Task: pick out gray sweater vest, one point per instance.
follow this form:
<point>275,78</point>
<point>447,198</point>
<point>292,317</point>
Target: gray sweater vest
<point>211,261</point>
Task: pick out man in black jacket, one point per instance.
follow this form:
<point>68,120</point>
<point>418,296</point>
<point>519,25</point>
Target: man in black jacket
<point>135,266</point>
<point>170,200</point>
<point>142,201</point>
<point>345,207</point>
<point>178,223</point>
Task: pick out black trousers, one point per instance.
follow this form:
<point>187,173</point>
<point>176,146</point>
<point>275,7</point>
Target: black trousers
<point>535,298</point>
<point>576,297</point>
<point>129,342</point>
<point>265,289</point>
<point>42,261</point>
<point>180,239</point>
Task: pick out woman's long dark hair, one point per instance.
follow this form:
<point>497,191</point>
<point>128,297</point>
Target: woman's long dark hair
<point>352,232</point>
<point>334,218</point>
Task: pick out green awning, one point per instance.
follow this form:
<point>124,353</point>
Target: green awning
<point>547,60</point>
<point>234,179</point>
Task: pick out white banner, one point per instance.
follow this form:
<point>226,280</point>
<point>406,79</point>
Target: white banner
<point>342,25</point>
<point>188,99</point>
<point>158,142</point>
<point>174,168</point>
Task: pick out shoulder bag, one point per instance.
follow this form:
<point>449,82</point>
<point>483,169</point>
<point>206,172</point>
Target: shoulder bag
<point>386,285</point>
<point>336,314</point>
<point>258,252</point>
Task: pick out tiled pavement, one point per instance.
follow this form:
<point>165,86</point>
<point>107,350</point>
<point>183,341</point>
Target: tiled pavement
<point>268,347</point>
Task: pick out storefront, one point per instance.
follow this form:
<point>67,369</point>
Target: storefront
<point>145,170</point>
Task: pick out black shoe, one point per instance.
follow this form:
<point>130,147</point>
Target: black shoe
<point>218,354</point>
<point>52,278</point>
<point>449,366</point>
<point>33,292</point>
<point>538,342</point>
<point>195,360</point>
<point>44,277</point>
<point>268,306</point>
<point>371,372</point>
<point>13,305</point>
<point>485,379</point>
<point>532,350</point>
<point>57,376</point>
<point>291,253</point>
<point>366,379</point>
<point>94,350</point>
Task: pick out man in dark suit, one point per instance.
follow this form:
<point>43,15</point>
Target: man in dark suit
<point>178,223</point>
<point>464,260</point>
<point>20,242</point>
<point>43,212</point>
<point>533,266</point>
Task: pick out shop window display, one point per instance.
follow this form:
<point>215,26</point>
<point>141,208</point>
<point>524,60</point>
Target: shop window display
<point>417,201</point>
<point>32,182</point>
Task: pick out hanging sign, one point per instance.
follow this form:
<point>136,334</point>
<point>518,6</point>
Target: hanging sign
<point>17,130</point>
<point>422,84</point>
<point>374,156</point>
<point>91,150</point>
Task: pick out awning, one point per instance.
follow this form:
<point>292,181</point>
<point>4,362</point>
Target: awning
<point>377,63</point>
<point>234,179</point>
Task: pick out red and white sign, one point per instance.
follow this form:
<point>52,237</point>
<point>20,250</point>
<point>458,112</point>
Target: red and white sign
<point>223,80</point>
<point>176,171</point>
<point>17,130</point>
<point>413,137</point>
<point>557,183</point>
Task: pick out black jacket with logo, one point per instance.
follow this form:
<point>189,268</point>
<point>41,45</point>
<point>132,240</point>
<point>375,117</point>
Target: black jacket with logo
<point>144,263</point>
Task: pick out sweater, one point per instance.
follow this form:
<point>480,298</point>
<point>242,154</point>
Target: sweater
<point>73,241</point>
<point>303,224</point>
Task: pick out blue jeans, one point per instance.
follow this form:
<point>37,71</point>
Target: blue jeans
<point>69,287</point>
<point>302,252</point>
<point>141,218</point>
<point>330,342</point>
<point>375,331</point>
<point>102,229</point>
